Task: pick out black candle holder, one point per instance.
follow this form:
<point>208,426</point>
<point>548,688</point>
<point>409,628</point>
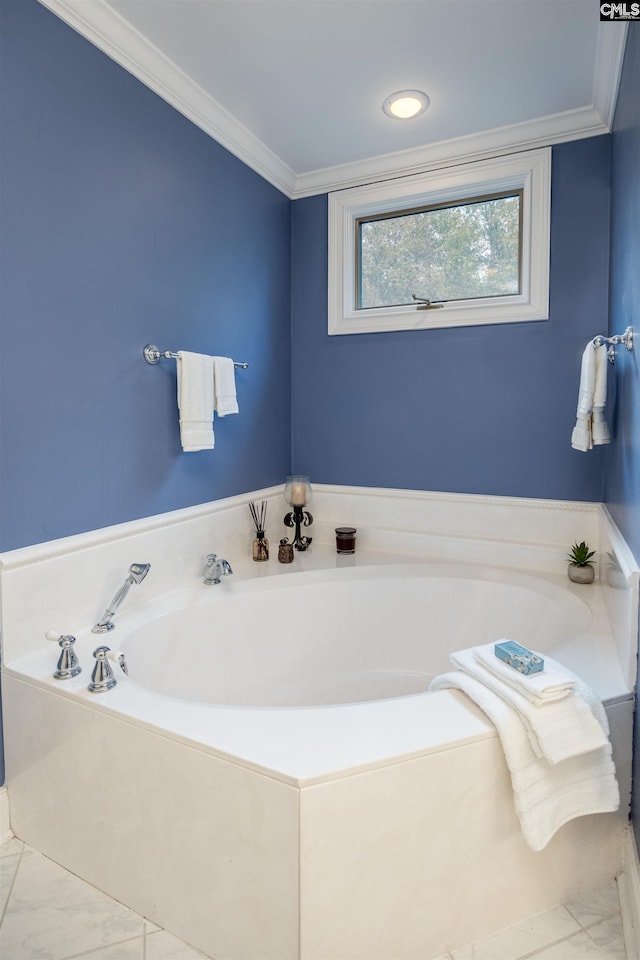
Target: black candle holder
<point>299,518</point>
<point>297,493</point>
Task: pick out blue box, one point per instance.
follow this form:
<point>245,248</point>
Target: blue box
<point>518,657</point>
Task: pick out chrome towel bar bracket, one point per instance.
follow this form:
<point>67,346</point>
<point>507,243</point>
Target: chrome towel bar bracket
<point>626,339</point>
<point>153,354</point>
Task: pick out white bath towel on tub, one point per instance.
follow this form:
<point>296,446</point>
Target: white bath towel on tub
<point>557,730</point>
<point>546,796</point>
<point>552,683</point>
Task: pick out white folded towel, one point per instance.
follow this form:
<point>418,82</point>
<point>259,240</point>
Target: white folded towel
<point>543,687</point>
<point>592,398</point>
<point>195,400</point>
<point>225,401</point>
<point>599,426</point>
<point>556,731</point>
<point>546,796</point>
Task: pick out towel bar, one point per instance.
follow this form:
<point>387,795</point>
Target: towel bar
<point>626,339</point>
<point>152,354</point>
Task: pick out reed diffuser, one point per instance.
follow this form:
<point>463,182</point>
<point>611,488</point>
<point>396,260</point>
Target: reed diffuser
<point>259,516</point>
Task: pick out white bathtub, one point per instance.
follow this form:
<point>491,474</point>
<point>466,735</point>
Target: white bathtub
<point>272,780</point>
<point>341,636</point>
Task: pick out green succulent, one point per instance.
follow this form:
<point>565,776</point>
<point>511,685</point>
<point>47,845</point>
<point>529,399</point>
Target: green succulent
<point>580,555</point>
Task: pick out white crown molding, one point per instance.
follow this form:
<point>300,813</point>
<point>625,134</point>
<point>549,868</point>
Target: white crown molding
<point>570,125</point>
<point>99,23</point>
<point>106,29</point>
<point>612,38</point>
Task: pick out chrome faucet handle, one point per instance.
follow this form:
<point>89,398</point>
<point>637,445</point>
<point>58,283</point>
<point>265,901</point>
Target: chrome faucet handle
<point>102,677</point>
<point>67,665</point>
<point>118,657</point>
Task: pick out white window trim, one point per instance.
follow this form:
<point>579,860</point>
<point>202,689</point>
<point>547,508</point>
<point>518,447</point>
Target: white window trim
<point>529,171</point>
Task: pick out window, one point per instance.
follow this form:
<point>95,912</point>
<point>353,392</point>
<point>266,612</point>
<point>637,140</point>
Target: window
<point>457,251</point>
<point>472,240</point>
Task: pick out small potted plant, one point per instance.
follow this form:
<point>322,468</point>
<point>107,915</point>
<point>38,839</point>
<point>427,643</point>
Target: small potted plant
<point>580,563</point>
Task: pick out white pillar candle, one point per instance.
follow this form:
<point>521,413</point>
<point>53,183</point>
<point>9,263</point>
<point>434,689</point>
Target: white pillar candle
<point>298,494</point>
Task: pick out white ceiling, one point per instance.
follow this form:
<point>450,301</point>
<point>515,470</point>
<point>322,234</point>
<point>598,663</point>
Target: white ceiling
<point>295,87</point>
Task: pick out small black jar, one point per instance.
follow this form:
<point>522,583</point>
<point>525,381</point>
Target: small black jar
<point>346,539</point>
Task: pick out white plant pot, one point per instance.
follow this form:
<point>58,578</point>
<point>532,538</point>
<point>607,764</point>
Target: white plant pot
<point>578,574</point>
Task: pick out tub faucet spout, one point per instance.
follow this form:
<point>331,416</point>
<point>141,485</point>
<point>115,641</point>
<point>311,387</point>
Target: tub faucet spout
<point>137,573</point>
<point>214,569</point>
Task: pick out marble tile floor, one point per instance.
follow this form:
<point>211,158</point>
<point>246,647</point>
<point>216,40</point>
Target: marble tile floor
<point>587,928</point>
<point>34,892</point>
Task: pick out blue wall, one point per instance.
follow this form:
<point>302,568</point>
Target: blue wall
<point>486,409</point>
<point>622,478</point>
<point>123,223</point>
<point>622,490</point>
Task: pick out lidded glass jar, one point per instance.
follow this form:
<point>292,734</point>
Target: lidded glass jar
<point>346,539</point>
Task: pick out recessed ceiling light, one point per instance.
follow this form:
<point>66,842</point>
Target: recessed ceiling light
<point>405,104</point>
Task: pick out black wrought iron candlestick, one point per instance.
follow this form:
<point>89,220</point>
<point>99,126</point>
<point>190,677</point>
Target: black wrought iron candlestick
<point>297,493</point>
<point>299,518</point>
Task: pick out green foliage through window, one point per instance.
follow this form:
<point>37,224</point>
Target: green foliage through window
<point>461,251</point>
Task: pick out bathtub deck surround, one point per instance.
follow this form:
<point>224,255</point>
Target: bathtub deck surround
<point>323,825</point>
<point>5,828</point>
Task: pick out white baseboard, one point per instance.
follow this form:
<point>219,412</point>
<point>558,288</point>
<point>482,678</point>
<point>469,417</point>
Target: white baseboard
<point>5,827</point>
<point>629,893</point>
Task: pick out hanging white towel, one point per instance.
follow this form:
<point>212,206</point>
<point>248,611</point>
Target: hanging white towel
<point>195,400</point>
<point>556,731</point>
<point>225,386</point>
<point>599,426</point>
<point>593,384</point>
<point>546,796</point>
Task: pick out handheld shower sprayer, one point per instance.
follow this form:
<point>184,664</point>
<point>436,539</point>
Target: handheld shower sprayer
<point>137,573</point>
